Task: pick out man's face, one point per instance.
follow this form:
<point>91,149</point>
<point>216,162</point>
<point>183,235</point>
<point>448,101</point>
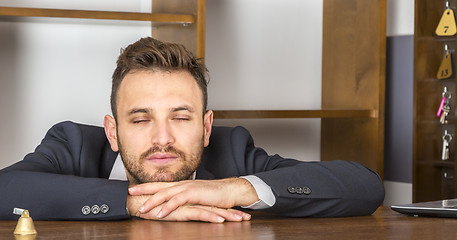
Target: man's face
<point>160,132</point>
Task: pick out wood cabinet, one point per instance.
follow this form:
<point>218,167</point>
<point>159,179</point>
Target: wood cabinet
<point>433,178</point>
<point>353,75</point>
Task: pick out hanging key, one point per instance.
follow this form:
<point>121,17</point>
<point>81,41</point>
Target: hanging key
<point>445,151</point>
<point>446,110</point>
<point>447,138</point>
<point>440,109</point>
<point>447,24</point>
<point>445,71</point>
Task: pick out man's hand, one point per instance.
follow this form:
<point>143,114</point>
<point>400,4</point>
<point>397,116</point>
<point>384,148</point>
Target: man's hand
<point>167,197</point>
<point>186,212</point>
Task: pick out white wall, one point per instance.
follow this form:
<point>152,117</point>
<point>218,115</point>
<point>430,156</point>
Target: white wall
<point>58,69</point>
<point>267,54</point>
<point>262,54</point>
<point>400,17</point>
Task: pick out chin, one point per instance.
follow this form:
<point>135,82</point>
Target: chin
<point>163,177</point>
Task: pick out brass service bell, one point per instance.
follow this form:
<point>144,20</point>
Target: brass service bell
<point>25,224</point>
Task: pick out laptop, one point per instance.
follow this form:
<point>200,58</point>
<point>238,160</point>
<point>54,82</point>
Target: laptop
<point>442,208</point>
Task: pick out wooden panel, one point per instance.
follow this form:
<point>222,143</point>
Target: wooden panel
<point>430,183</point>
<point>353,76</point>
<point>353,53</point>
<point>191,35</point>
<point>352,140</point>
<point>64,13</point>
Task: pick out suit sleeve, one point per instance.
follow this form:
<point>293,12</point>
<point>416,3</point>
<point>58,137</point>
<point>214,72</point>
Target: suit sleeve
<point>61,180</point>
<point>306,189</point>
<point>315,189</point>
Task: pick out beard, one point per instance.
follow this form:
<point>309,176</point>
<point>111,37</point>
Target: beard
<point>138,173</point>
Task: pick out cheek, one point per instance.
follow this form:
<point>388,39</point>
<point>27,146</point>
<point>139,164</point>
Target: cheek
<point>131,141</point>
<point>193,140</point>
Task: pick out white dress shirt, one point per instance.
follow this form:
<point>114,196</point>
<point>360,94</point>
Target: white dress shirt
<point>264,192</point>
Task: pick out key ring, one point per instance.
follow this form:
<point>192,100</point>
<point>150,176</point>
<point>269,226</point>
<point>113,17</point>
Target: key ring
<point>446,134</point>
<point>449,95</point>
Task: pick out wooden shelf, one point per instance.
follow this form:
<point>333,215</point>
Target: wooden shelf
<point>324,113</point>
<point>87,14</point>
<point>436,38</point>
<point>446,164</point>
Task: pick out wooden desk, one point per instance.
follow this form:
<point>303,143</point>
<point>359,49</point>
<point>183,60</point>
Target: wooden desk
<point>384,224</point>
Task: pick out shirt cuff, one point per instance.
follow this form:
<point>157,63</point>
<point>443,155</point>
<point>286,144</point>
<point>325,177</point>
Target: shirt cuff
<point>266,197</point>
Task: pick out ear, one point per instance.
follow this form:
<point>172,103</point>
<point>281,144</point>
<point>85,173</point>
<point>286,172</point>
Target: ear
<point>110,130</point>
<point>207,125</point>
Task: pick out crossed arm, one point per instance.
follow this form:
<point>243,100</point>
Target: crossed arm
<point>75,175</point>
<point>201,200</point>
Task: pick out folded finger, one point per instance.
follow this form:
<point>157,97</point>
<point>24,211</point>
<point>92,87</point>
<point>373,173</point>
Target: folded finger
<point>228,214</point>
<point>192,213</point>
<point>244,215</point>
<point>172,198</point>
<point>175,201</point>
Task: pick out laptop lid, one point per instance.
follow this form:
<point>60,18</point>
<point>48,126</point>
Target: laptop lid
<point>442,208</point>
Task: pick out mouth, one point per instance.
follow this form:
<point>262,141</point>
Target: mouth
<point>161,158</point>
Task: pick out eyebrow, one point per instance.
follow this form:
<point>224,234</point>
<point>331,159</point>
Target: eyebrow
<point>174,109</point>
<point>139,110</point>
<point>183,108</point>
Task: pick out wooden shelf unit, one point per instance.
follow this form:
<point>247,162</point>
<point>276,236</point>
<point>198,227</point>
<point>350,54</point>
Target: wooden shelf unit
<point>433,178</point>
<point>353,77</point>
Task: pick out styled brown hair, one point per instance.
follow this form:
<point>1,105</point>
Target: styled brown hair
<point>151,54</point>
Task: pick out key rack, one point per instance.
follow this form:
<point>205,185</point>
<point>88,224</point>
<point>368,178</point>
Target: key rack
<point>433,169</point>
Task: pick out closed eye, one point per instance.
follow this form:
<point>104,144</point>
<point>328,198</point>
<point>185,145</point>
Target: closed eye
<point>181,118</point>
<point>139,121</point>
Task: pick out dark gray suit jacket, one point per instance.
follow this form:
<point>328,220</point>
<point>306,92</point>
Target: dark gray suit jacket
<point>69,170</point>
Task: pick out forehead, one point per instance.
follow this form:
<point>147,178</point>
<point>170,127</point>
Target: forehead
<point>155,89</point>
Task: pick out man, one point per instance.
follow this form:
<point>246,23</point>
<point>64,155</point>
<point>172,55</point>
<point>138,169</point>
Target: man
<point>179,167</point>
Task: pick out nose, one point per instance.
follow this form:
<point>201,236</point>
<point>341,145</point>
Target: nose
<point>162,134</point>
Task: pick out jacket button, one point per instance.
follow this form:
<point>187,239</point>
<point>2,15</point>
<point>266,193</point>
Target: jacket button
<point>306,190</point>
<point>299,190</point>
<point>85,210</point>
<point>291,189</point>
<point>104,208</point>
<point>95,209</point>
